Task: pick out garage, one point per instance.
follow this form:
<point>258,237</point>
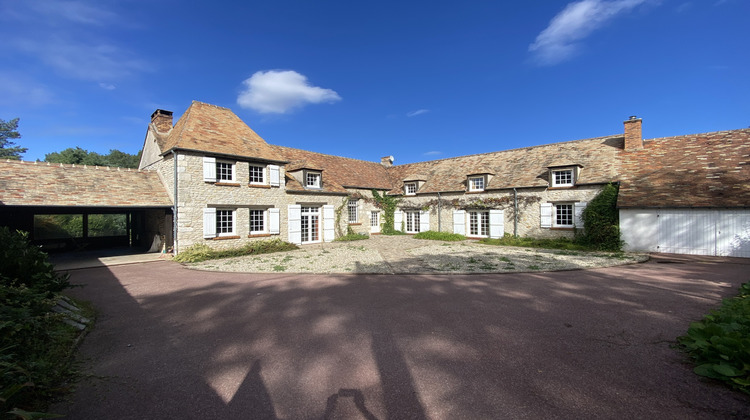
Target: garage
<point>717,232</point>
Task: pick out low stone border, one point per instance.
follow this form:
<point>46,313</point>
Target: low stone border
<point>407,255</point>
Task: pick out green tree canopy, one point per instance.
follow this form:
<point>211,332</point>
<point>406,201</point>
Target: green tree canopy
<point>8,131</point>
<point>80,156</point>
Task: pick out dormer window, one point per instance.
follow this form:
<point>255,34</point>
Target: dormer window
<point>562,177</point>
<point>476,183</point>
<point>312,180</point>
<point>410,188</point>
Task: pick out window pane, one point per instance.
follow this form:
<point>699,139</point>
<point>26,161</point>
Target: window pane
<point>58,226</point>
<point>564,214</point>
<point>563,177</point>
<point>224,221</point>
<point>256,174</point>
<point>257,223</point>
<point>108,225</point>
<point>224,171</point>
<point>353,211</point>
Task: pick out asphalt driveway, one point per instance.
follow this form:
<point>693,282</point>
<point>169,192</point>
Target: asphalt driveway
<point>176,343</point>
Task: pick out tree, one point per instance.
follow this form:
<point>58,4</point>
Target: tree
<point>80,156</point>
<point>9,130</point>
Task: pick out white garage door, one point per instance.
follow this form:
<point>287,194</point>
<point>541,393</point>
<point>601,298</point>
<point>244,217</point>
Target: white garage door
<point>680,231</point>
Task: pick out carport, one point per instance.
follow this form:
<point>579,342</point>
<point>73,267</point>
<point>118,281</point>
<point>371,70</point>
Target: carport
<point>74,207</point>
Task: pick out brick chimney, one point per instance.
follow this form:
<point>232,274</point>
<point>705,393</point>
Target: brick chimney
<point>386,161</point>
<point>162,120</point>
<point>633,136</point>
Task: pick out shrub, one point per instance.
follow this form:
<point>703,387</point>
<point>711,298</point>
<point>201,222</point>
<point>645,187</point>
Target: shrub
<point>35,343</point>
<point>720,343</point>
<point>439,236</point>
<point>556,243</point>
<point>601,222</point>
<point>351,236</point>
<point>202,252</point>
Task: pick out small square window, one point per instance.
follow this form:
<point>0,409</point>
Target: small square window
<point>476,183</point>
<point>562,178</point>
<point>312,180</point>
<point>257,174</point>
<point>410,188</point>
<point>224,172</point>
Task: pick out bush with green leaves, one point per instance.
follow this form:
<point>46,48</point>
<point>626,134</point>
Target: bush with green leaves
<point>601,222</point>
<point>439,236</point>
<point>202,252</point>
<point>720,343</point>
<point>35,343</point>
<point>555,243</point>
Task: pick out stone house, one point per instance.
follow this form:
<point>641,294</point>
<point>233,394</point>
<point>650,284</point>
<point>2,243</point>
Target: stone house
<point>223,185</point>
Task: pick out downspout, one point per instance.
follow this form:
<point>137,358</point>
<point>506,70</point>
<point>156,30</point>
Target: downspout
<point>440,226</point>
<point>515,212</point>
<point>174,208</point>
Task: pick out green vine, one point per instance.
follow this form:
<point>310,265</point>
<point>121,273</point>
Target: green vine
<point>388,204</point>
<point>339,210</point>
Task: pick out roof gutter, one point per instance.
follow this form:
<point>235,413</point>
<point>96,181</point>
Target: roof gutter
<point>256,159</point>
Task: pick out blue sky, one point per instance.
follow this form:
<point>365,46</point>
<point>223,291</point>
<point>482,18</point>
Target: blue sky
<point>418,80</point>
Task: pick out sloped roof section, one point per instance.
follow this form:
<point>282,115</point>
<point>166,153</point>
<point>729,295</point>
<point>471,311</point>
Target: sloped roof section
<point>338,172</point>
<point>527,167</point>
<point>42,184</point>
<point>214,129</point>
<point>700,170</point>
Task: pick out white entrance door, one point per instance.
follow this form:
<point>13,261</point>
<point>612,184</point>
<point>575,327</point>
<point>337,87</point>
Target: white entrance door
<point>310,224</point>
<point>374,222</point>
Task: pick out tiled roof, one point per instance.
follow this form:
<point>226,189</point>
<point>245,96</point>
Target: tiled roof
<point>527,167</point>
<point>43,184</point>
<point>701,170</point>
<point>214,129</point>
<point>338,172</point>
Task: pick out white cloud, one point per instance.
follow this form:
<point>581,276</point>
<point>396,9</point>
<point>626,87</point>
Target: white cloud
<point>280,91</point>
<point>432,153</point>
<point>74,11</point>
<point>559,41</point>
<point>19,90</point>
<point>417,112</point>
<point>107,86</point>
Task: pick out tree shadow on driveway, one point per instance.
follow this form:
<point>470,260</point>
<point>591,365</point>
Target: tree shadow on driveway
<point>177,343</point>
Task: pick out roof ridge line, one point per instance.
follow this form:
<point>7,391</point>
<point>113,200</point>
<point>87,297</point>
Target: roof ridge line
<point>324,154</point>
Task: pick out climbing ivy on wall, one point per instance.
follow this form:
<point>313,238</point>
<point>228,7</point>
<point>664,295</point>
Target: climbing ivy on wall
<point>601,221</point>
<point>388,204</point>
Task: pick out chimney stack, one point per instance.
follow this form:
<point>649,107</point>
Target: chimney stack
<point>633,135</point>
<point>386,161</point>
<point>162,120</point>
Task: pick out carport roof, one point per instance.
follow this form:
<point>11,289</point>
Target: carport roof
<point>45,184</point>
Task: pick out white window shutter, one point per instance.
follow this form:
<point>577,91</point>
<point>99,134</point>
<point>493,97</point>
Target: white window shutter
<point>424,221</point>
<point>295,224</point>
<point>274,221</point>
<point>459,222</point>
<point>328,223</point>
<point>398,219</point>
<point>273,175</point>
<point>546,214</point>
<point>209,222</point>
<point>578,212</point>
<point>497,223</point>
<point>209,169</point>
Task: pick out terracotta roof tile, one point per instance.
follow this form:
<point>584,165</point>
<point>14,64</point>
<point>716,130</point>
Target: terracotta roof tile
<point>338,172</point>
<point>700,170</point>
<point>526,167</point>
<point>43,184</point>
<point>214,129</point>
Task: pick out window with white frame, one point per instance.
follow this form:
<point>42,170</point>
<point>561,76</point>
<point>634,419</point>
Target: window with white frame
<point>257,221</point>
<point>412,221</point>
<point>353,213</point>
<point>257,174</point>
<point>374,218</point>
<point>410,188</point>
<point>312,179</point>
<point>563,177</point>
<point>479,223</point>
<point>224,171</point>
<point>562,215</point>
<point>476,183</point>
<point>225,222</point>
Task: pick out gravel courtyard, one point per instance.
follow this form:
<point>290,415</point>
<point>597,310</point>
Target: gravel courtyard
<point>404,254</point>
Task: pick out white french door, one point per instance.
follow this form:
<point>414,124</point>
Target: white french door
<point>310,224</point>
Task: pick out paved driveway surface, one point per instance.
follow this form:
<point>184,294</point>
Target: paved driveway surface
<point>172,343</point>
